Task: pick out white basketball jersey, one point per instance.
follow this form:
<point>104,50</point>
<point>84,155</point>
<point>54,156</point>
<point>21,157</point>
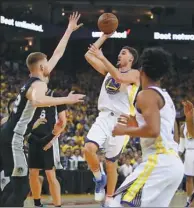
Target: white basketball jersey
<point>117,97</point>
<point>189,142</point>
<point>167,120</point>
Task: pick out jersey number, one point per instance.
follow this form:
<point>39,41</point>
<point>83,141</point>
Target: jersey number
<point>16,103</point>
<point>43,114</point>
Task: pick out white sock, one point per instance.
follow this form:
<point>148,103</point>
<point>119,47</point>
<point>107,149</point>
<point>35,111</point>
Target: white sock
<point>188,198</point>
<point>97,175</point>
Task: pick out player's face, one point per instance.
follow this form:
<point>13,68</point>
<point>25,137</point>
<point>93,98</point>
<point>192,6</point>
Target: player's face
<point>124,58</point>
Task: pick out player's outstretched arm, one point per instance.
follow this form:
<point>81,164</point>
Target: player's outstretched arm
<point>37,92</point>
<point>147,102</point>
<point>132,77</point>
<point>189,114</point>
<point>60,49</point>
<point>93,60</point>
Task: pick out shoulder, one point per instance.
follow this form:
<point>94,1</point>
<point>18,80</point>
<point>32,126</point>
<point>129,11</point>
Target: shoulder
<point>135,72</point>
<point>147,97</point>
<point>144,94</point>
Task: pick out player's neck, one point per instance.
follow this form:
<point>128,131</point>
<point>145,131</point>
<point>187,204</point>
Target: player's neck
<point>125,68</point>
<point>34,74</point>
<point>146,85</point>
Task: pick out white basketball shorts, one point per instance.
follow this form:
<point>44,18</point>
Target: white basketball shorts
<point>101,134</point>
<point>189,162</point>
<point>152,184</point>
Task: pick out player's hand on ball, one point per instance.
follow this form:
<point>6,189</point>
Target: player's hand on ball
<point>73,21</point>
<point>39,122</point>
<point>96,51</point>
<point>119,129</point>
<point>75,98</point>
<point>188,109</point>
<point>108,35</point>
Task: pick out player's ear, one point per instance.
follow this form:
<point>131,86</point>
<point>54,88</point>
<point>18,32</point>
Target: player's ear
<point>41,67</point>
<point>131,59</point>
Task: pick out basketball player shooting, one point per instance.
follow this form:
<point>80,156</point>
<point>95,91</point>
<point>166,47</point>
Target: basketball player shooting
<point>155,181</point>
<point>116,97</point>
<point>31,96</point>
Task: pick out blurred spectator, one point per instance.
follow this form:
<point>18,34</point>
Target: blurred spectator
<point>66,158</point>
<point>77,155</point>
<point>126,169</point>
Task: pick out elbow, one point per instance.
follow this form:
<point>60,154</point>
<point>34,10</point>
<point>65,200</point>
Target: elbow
<point>87,56</point>
<point>36,103</point>
<point>154,133</point>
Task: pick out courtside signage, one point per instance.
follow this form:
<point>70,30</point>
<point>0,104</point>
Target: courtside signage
<point>21,24</point>
<point>115,34</point>
<point>173,36</point>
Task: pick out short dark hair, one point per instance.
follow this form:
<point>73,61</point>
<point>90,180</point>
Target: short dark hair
<point>155,62</point>
<point>134,53</point>
<point>33,58</point>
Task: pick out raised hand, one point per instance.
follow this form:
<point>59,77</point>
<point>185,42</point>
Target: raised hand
<point>73,21</point>
<point>95,51</point>
<point>108,35</point>
<point>75,98</point>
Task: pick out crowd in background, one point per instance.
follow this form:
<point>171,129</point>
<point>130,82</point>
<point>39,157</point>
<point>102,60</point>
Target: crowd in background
<point>80,117</point>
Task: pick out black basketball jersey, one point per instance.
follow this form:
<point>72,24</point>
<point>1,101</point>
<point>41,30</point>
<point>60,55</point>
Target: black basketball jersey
<point>50,114</point>
<point>23,110</point>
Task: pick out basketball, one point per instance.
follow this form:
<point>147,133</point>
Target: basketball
<point>108,23</point>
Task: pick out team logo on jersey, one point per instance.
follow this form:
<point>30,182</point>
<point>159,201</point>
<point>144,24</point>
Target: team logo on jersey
<point>20,170</point>
<point>111,86</point>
